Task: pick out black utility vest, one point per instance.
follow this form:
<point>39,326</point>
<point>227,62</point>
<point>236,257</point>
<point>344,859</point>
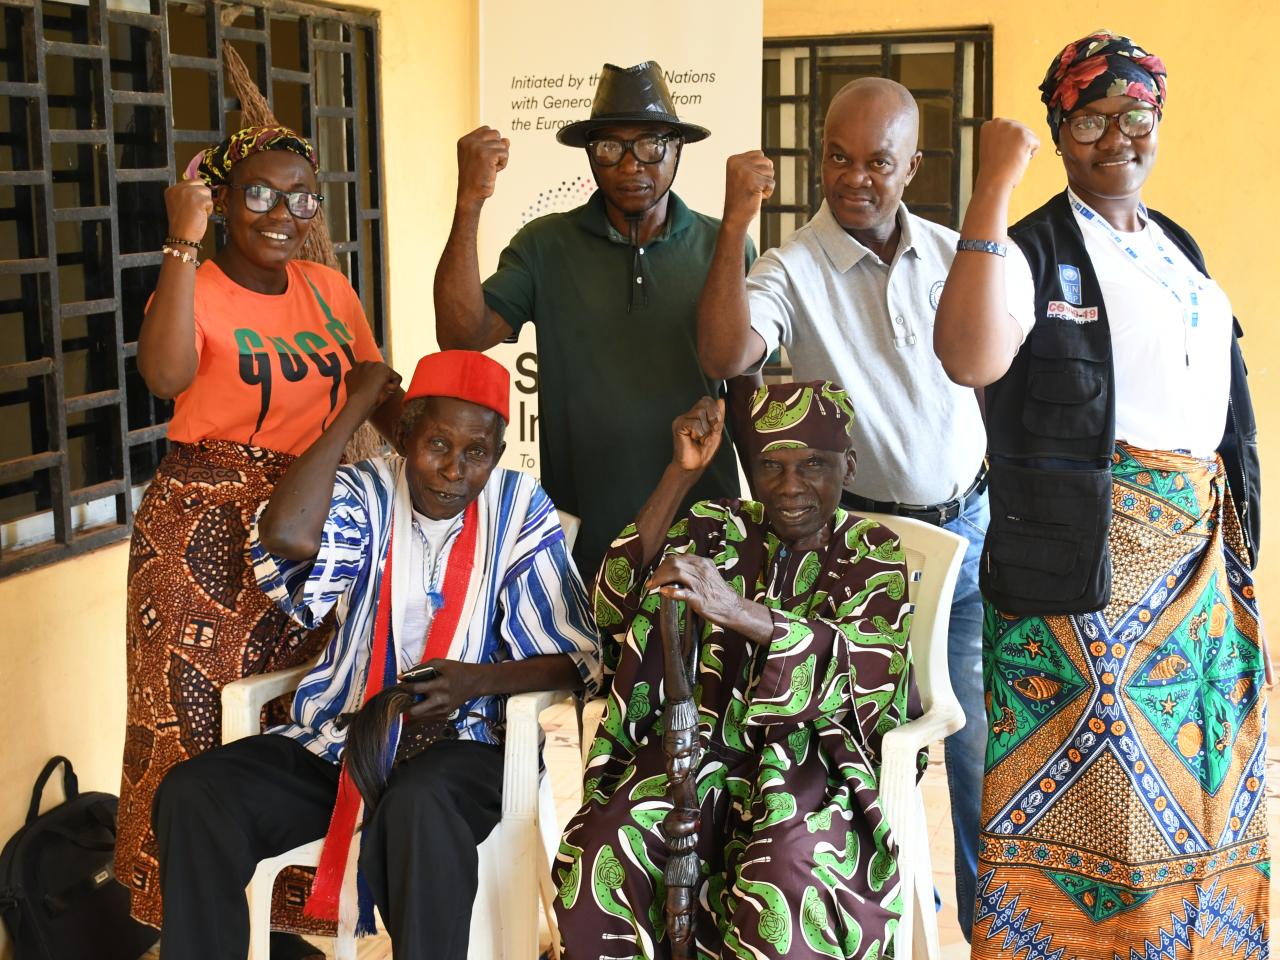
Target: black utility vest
<point>1051,430</point>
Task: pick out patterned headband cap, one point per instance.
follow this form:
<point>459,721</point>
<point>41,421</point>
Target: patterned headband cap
<point>815,414</point>
<point>213,165</point>
<point>1098,66</point>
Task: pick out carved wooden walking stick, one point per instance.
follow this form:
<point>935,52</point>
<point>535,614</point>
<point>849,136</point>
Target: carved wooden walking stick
<point>682,874</point>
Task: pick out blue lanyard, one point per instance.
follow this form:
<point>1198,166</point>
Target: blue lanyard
<point>1190,306</point>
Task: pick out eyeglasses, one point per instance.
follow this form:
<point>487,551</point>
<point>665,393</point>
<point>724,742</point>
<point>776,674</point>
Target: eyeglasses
<point>1134,124</point>
<point>259,198</point>
<point>609,151</point>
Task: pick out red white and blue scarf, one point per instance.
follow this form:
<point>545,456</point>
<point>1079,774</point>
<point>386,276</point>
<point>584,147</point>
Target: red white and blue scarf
<point>456,590</point>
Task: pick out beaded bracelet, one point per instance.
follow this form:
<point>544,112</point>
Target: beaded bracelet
<point>185,243</point>
<point>982,246</point>
<point>179,254</point>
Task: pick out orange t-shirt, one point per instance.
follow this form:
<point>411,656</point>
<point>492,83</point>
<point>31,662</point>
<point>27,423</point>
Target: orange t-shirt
<point>271,366</point>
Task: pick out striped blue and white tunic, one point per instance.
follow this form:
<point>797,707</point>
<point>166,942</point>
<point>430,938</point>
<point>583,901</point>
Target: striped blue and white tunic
<point>525,599</point>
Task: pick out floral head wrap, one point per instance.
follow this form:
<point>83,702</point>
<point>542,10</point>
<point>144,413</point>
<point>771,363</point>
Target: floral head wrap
<point>213,165</point>
<point>1098,66</point>
<point>816,414</point>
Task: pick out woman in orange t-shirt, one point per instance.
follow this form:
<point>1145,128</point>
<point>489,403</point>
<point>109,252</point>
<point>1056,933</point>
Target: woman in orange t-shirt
<point>253,344</point>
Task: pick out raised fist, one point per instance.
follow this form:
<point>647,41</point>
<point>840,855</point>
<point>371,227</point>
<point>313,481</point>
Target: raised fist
<point>1004,150</point>
<point>189,203</point>
<point>695,435</point>
<point>370,383</point>
<point>481,154</point>
<point>748,183</point>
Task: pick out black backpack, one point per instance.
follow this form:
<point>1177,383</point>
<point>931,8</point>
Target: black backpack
<point>58,893</point>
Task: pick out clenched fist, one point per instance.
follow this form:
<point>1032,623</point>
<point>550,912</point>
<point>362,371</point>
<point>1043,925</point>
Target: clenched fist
<point>748,183</point>
<point>695,435</point>
<point>188,204</point>
<point>370,383</point>
<point>1004,150</point>
<point>481,154</point>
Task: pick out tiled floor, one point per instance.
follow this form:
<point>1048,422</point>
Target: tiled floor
<point>564,765</point>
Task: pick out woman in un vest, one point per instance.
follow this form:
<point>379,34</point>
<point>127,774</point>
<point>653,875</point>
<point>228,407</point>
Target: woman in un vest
<point>1124,800</point>
<point>253,345</point>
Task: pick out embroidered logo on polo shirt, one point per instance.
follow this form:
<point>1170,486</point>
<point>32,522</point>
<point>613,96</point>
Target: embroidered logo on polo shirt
<point>1069,278</point>
<point>935,293</point>
<point>1058,310</point>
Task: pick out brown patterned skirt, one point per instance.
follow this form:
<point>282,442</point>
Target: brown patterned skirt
<point>196,620</point>
<point>1124,810</point>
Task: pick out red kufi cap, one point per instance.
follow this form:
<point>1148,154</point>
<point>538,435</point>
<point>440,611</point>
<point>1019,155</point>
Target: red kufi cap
<point>464,375</point>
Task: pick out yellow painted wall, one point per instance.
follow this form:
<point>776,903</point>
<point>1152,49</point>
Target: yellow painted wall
<point>61,644</point>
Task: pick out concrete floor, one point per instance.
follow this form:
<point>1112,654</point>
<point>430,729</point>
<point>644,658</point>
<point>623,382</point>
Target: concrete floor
<point>564,765</point>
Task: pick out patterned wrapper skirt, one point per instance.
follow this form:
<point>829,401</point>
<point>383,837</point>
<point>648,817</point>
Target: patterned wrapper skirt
<point>196,621</point>
<point>1123,809</point>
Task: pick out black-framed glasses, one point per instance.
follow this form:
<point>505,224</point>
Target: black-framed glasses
<point>1135,123</point>
<point>609,151</point>
<point>259,198</point>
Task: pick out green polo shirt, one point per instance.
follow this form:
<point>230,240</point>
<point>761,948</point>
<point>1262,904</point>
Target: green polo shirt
<point>613,370</point>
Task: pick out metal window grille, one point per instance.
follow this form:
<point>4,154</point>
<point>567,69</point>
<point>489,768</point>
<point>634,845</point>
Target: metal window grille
<point>949,74</point>
<point>102,104</point>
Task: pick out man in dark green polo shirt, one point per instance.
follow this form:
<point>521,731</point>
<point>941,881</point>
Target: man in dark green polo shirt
<point>612,288</point>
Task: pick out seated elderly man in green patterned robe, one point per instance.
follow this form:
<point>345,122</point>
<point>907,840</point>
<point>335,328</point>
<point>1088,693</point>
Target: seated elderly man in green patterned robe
<point>802,667</point>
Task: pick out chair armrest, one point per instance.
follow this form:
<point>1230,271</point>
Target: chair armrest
<point>520,766</point>
<point>899,750</point>
<point>569,524</point>
<point>243,700</point>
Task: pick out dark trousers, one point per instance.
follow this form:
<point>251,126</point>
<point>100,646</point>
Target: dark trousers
<point>219,813</point>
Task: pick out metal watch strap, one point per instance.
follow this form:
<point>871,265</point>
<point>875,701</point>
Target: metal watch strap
<point>982,246</point>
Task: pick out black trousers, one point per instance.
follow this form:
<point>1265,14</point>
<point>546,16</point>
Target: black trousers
<point>219,813</point>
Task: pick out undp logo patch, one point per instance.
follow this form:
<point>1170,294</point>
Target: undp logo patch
<point>935,294</point>
<point>1069,278</point>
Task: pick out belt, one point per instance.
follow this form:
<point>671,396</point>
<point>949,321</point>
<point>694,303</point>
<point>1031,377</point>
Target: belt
<point>937,514</point>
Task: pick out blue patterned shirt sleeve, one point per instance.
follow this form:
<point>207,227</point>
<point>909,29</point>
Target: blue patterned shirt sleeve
<point>544,607</point>
<point>308,589</point>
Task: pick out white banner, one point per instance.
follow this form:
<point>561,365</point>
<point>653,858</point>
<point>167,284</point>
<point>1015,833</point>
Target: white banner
<point>539,65</point>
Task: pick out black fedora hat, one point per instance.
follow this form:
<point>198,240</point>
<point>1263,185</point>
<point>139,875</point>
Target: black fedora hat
<point>636,94</point>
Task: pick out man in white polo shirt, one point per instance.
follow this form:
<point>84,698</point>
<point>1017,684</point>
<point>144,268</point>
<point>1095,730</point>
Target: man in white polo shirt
<point>852,295</point>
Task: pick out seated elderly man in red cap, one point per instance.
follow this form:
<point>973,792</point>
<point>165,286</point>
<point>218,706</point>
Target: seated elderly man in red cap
<point>755,796</point>
<point>437,558</point>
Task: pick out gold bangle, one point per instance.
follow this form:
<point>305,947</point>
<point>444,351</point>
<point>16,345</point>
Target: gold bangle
<point>180,254</point>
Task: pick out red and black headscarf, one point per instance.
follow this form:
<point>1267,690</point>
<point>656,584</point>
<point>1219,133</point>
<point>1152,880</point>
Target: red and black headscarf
<point>1098,66</point>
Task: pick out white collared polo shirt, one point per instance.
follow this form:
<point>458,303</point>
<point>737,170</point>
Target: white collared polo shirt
<point>845,315</point>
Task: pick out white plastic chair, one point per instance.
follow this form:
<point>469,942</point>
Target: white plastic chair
<point>515,859</point>
<point>933,559</point>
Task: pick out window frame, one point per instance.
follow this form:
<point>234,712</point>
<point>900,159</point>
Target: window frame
<point>962,126</point>
<point>71,521</point>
